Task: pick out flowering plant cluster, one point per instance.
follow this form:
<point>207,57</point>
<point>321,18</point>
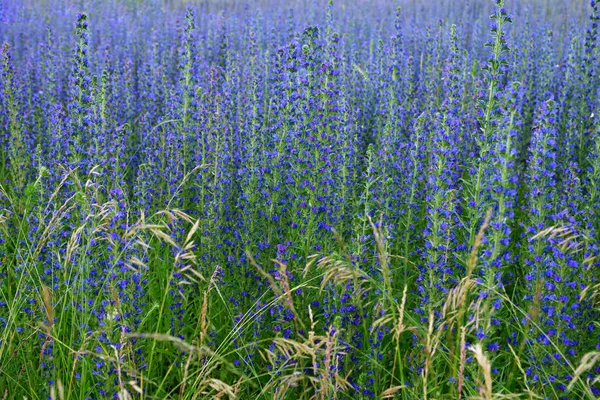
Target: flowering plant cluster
<point>339,200</point>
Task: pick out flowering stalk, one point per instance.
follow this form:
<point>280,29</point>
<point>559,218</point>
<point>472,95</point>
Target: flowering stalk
<point>14,155</point>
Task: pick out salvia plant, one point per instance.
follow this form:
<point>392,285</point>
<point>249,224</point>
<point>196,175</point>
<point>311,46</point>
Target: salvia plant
<point>299,200</point>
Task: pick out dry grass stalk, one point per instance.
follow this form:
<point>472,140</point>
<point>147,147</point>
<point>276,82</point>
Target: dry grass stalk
<point>123,392</point>
<point>592,292</point>
<point>456,302</point>
<point>186,372</point>
<point>456,298</point>
<point>432,343</point>
<point>322,351</point>
<point>203,323</point>
<point>48,308</point>
<point>287,291</point>
<point>463,361</point>
<point>391,392</point>
<point>332,352</point>
<point>311,338</point>
<point>237,387</point>
<point>340,272</point>
<point>400,327</point>
<point>382,253</point>
<point>49,324</point>
<point>486,367</point>
<point>330,343</point>
<point>203,318</point>
<point>474,255</point>
<point>61,391</point>
<point>74,243</point>
<point>290,348</point>
<point>280,287</point>
<point>588,361</point>
<point>310,261</point>
<point>54,222</point>
<point>136,387</point>
<point>274,286</point>
<point>217,389</point>
<point>569,239</point>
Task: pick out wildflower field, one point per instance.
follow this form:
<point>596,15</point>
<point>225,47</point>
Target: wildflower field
<point>308,199</point>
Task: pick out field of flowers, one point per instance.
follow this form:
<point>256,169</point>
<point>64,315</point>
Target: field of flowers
<point>299,200</point>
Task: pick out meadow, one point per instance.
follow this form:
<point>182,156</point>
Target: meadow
<point>299,200</point>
